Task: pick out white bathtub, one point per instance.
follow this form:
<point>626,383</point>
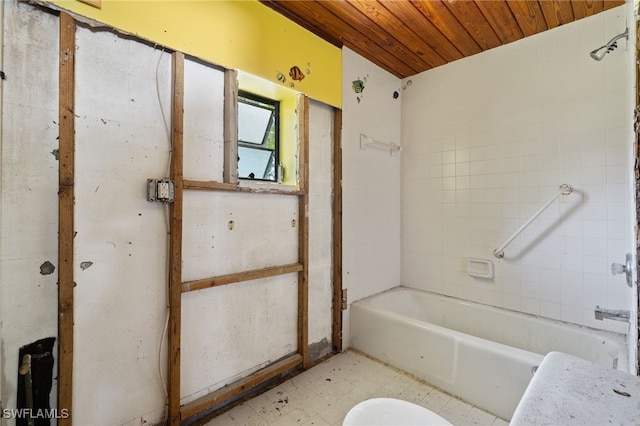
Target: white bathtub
<point>481,354</point>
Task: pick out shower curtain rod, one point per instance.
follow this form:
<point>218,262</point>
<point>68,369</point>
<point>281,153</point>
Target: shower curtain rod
<point>565,189</point>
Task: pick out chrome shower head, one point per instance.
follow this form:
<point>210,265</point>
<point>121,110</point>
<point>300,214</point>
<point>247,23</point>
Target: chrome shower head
<point>599,53</point>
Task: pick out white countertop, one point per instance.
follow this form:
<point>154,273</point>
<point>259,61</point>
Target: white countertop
<point>567,390</point>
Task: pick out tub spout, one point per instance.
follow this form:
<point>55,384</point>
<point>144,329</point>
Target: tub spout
<point>613,314</point>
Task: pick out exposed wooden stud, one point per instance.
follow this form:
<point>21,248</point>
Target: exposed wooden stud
<point>230,173</point>
<point>209,185</point>
<point>66,179</point>
<point>175,242</point>
<point>337,231</point>
<point>234,187</point>
<point>236,388</point>
<point>303,230</point>
<point>241,277</point>
<point>636,321</point>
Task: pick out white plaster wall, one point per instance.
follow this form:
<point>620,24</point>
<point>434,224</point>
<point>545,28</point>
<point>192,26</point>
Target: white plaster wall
<point>227,332</point>
<point>120,299</point>
<point>203,122</point>
<point>122,92</point>
<point>262,234</point>
<point>320,223</point>
<point>489,139</point>
<point>259,318</point>
<point>231,331</point>
<point>370,182</point>
<point>248,324</point>
<point>29,227</point>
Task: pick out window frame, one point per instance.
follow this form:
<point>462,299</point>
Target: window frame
<point>275,121</point>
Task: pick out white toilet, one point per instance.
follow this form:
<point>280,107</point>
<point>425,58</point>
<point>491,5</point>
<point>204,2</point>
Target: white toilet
<point>391,412</point>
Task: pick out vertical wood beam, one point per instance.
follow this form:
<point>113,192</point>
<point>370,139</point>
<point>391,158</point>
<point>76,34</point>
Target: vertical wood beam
<point>175,242</point>
<point>337,231</point>
<point>66,172</point>
<point>303,231</point>
<point>636,321</point>
<point>230,173</point>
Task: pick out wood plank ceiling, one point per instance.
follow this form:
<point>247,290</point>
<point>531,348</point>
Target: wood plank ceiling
<point>406,37</point>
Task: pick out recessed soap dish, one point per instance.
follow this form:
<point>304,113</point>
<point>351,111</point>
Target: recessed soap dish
<point>480,268</point>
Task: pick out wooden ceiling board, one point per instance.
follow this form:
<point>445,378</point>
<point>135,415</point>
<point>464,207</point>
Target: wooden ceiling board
<point>557,12</point>
<point>586,8</point>
<point>380,36</point>
<point>376,12</point>
<point>529,16</point>
<point>438,14</point>
<point>413,19</point>
<point>499,15</point>
<point>346,29</point>
<point>314,18</point>
<point>473,20</point>
<point>406,37</point>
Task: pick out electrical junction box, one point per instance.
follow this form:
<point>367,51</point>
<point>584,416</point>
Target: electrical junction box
<point>160,190</point>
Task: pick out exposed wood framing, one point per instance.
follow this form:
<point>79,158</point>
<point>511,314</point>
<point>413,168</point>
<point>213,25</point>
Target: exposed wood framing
<point>241,277</point>
<point>234,389</point>
<point>176,413</point>
<point>200,185</point>
<point>66,179</point>
<point>302,356</point>
<point>209,185</point>
<point>637,181</point>
<point>303,233</point>
<point>175,242</point>
<point>230,172</point>
<point>337,231</point>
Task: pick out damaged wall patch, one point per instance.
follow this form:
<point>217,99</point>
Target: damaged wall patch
<point>47,268</point>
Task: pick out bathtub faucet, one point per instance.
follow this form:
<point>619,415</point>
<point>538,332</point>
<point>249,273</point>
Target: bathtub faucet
<point>614,314</point>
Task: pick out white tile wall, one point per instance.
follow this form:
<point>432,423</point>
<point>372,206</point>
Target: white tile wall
<point>489,139</point>
<point>371,182</point>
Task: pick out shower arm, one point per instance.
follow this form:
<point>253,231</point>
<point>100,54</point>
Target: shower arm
<point>565,189</point>
<point>598,54</point>
<point>625,34</point>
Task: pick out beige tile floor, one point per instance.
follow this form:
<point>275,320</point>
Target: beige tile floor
<point>325,393</point>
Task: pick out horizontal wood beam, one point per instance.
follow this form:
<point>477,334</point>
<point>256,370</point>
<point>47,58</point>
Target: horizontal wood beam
<point>240,386</point>
<point>200,185</point>
<point>209,185</point>
<point>240,277</point>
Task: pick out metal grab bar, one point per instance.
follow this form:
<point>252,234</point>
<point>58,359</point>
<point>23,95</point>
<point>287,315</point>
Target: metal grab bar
<point>565,189</point>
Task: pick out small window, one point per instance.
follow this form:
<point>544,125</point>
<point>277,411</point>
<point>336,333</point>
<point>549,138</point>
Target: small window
<point>258,137</point>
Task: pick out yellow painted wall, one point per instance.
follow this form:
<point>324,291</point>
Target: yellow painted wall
<point>236,34</point>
